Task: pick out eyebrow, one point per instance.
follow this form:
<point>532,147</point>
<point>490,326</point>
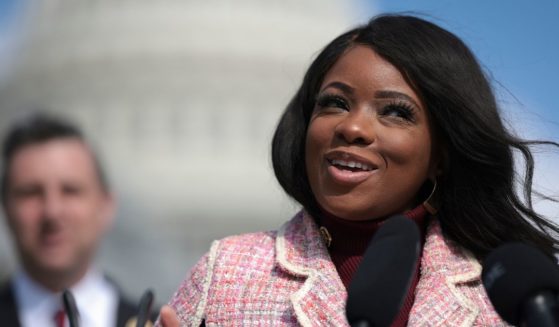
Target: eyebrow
<point>339,85</point>
<point>395,95</point>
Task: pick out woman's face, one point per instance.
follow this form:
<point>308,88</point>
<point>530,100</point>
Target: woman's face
<point>369,144</point>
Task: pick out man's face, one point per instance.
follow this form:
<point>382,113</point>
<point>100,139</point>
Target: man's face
<point>56,207</point>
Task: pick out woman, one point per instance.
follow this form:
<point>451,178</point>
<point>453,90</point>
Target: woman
<point>395,116</point>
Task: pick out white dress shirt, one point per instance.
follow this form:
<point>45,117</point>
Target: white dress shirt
<point>96,300</point>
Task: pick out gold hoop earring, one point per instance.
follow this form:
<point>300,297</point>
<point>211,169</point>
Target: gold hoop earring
<point>429,204</point>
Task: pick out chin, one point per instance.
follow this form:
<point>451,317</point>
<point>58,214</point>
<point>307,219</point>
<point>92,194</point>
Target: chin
<point>55,263</point>
<point>55,267</point>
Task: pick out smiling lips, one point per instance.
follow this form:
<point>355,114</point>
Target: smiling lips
<point>348,169</point>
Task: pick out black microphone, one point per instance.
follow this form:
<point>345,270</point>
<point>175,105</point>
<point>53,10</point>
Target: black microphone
<point>144,308</point>
<point>71,308</point>
<point>522,283</point>
<point>382,281</point>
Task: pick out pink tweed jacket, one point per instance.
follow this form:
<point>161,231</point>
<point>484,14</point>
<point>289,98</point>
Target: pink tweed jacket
<point>286,278</point>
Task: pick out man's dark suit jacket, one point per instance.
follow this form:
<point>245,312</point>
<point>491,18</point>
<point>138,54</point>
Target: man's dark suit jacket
<point>9,315</point>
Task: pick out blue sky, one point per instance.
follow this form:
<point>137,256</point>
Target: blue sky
<point>517,41</point>
<point>10,27</point>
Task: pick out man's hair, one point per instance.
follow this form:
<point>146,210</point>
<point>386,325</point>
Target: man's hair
<point>40,128</point>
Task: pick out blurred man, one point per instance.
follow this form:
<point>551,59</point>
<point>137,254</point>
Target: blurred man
<point>58,205</point>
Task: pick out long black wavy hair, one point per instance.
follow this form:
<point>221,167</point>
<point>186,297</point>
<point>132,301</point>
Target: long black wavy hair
<point>479,208</point>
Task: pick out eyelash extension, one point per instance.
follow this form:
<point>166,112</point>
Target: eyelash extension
<point>331,100</point>
<point>404,110</point>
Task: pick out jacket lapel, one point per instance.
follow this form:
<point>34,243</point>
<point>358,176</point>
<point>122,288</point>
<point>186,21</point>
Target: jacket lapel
<point>8,308</point>
<point>448,292</point>
<point>320,301</point>
<point>445,269</point>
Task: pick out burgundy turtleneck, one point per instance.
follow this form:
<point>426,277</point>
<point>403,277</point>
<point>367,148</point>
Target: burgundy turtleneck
<point>349,242</point>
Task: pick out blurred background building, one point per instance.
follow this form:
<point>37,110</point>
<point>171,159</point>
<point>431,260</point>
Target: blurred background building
<point>181,98</point>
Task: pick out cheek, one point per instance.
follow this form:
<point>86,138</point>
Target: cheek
<point>319,136</point>
<point>409,150</point>
<point>25,217</point>
<point>311,146</point>
<point>89,216</point>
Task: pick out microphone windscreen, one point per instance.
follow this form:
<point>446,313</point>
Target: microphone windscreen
<point>512,273</point>
<point>382,280</point>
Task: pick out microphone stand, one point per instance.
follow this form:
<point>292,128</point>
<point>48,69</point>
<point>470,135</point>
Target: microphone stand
<point>144,308</point>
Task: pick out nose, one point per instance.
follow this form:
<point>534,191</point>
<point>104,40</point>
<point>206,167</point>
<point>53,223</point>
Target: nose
<point>52,205</point>
<point>357,127</point>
